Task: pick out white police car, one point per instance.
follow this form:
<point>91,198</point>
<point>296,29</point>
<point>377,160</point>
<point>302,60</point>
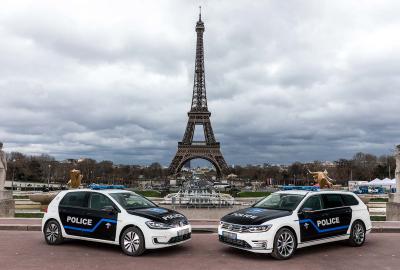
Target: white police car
<point>287,220</point>
<point>113,216</point>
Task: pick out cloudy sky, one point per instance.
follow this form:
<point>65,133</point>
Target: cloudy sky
<point>286,80</point>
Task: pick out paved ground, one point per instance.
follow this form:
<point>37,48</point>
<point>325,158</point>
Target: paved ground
<point>198,225</point>
<point>27,250</point>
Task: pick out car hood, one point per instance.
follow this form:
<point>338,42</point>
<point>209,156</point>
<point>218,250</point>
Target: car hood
<point>254,216</point>
<point>160,214</point>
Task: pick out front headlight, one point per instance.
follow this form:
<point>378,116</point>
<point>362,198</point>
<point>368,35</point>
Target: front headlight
<point>158,225</point>
<point>259,228</point>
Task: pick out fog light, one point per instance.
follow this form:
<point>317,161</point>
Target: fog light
<point>160,240</point>
<point>260,244</point>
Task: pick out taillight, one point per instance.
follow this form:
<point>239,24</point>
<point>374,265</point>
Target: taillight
<point>45,209</point>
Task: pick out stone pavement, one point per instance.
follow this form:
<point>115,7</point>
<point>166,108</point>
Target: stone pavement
<point>28,250</point>
<point>198,225</point>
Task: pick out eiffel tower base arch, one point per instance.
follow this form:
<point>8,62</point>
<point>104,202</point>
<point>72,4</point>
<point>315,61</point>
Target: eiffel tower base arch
<point>186,153</point>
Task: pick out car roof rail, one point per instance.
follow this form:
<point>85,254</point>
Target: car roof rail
<point>102,187</point>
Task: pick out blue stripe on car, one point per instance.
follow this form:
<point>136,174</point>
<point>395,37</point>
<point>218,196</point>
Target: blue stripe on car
<point>94,228</point>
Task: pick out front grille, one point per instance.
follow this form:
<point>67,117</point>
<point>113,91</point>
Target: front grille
<point>179,238</point>
<point>180,223</point>
<point>234,227</point>
<point>234,242</point>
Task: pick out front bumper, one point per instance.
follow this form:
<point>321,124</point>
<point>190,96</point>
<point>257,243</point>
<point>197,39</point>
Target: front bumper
<point>170,237</point>
<point>253,242</point>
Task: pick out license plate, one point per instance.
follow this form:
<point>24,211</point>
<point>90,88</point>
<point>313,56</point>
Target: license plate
<point>183,232</point>
<point>229,235</point>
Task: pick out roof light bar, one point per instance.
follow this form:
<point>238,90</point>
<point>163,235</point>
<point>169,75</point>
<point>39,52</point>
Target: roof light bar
<point>307,188</point>
<point>101,187</point>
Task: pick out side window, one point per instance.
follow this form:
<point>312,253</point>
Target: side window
<point>349,200</point>
<point>75,199</point>
<point>332,200</point>
<point>99,201</point>
<point>313,203</point>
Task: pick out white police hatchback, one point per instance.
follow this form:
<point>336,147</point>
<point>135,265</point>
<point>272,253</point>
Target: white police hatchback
<point>287,220</point>
<point>113,216</point>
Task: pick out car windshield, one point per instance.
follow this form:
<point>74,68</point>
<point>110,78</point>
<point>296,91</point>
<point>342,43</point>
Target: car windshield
<point>280,201</point>
<point>130,200</point>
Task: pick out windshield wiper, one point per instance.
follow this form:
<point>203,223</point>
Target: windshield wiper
<point>274,208</point>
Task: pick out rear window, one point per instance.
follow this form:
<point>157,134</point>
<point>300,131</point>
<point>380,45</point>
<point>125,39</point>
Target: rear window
<point>75,199</point>
<point>349,200</point>
<point>332,200</point>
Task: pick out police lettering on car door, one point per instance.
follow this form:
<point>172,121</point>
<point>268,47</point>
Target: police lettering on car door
<point>329,221</point>
<point>76,220</point>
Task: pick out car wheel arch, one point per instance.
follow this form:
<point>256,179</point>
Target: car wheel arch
<point>292,230</point>
<point>127,227</point>
<point>359,220</point>
<point>52,219</point>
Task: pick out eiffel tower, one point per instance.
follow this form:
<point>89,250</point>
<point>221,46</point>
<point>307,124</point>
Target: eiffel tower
<point>209,149</point>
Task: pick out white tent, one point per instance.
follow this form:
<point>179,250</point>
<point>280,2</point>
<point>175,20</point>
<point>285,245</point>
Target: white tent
<point>376,180</point>
<point>384,182</point>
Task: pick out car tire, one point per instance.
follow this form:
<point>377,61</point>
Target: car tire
<point>132,242</point>
<point>284,244</point>
<point>52,233</point>
<point>357,234</point>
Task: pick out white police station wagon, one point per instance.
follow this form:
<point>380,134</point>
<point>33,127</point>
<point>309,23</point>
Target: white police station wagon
<point>113,216</point>
<point>287,220</point>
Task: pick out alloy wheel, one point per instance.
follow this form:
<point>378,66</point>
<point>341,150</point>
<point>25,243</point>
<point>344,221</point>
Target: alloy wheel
<point>358,234</point>
<point>131,242</point>
<point>285,244</point>
<point>52,233</point>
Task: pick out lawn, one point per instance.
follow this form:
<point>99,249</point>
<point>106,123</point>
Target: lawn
<point>379,200</point>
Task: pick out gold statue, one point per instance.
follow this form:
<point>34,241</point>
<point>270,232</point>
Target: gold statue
<point>322,179</point>
<point>76,178</point>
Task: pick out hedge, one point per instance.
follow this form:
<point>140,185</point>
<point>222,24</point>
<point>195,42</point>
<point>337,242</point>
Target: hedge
<point>253,194</point>
<point>148,193</point>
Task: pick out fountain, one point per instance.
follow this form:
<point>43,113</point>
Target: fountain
<point>199,193</point>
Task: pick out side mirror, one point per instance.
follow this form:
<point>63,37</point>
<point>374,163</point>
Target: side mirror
<point>109,209</point>
<point>306,210</point>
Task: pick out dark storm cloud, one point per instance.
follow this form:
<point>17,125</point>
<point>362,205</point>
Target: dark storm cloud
<point>286,80</point>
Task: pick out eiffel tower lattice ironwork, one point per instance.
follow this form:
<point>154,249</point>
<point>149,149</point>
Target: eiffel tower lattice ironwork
<point>209,149</point>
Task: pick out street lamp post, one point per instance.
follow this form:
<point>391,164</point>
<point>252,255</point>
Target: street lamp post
<point>48,179</point>
<point>13,175</point>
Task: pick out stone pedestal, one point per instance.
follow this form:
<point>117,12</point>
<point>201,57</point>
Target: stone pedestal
<point>393,211</point>
<point>7,204</point>
<point>393,206</point>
